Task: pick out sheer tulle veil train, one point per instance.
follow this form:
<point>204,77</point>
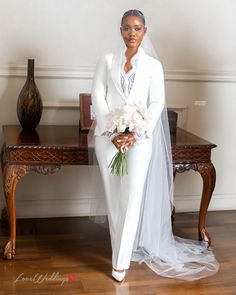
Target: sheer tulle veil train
<point>166,254</point>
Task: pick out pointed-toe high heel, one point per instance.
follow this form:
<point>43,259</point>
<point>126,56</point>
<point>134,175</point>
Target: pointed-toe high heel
<point>119,276</point>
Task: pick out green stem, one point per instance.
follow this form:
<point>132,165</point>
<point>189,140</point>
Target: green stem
<point>119,164</point>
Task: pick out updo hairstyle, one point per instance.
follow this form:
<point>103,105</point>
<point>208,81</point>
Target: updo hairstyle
<point>133,12</point>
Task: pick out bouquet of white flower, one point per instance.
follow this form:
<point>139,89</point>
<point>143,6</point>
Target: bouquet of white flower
<point>127,119</point>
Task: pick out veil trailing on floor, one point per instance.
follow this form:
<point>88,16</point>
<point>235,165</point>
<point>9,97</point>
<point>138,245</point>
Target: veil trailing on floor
<point>155,244</point>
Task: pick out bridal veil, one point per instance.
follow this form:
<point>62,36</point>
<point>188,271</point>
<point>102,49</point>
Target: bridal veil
<point>155,244</point>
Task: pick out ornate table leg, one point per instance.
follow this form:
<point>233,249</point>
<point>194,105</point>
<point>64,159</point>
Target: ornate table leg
<point>207,171</point>
<point>11,175</point>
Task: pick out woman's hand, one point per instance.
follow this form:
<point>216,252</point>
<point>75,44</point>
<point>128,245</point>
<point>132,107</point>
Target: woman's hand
<point>123,141</point>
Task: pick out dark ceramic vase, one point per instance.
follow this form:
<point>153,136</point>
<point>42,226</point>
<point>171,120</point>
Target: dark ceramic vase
<point>29,104</point>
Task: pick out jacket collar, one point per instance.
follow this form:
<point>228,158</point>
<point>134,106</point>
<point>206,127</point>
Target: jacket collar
<point>116,68</point>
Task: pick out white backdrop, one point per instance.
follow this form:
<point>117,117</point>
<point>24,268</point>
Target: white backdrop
<point>196,43</point>
<point>188,34</point>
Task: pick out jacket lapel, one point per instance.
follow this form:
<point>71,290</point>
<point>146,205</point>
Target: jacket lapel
<point>115,72</point>
<point>139,77</point>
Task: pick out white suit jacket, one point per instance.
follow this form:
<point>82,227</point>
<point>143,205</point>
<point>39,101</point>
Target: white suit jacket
<point>107,92</point>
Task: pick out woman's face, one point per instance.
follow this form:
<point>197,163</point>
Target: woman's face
<point>132,31</point>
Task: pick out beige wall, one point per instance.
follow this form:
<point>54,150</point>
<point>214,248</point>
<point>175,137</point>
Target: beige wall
<point>196,43</point>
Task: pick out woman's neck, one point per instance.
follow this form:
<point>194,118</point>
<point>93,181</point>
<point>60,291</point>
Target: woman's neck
<point>130,52</point>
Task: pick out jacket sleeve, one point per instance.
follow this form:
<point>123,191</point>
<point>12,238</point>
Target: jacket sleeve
<point>99,90</point>
<point>156,96</point>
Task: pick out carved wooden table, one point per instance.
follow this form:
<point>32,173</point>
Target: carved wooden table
<point>49,147</point>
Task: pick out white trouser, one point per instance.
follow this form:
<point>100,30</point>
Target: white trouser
<point>123,195</point>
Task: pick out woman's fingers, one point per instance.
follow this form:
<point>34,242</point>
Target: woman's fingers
<point>124,141</point>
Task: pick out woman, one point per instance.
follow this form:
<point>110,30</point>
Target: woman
<point>138,204</point>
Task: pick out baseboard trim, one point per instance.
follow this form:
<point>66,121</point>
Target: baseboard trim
<point>190,203</point>
<point>59,208</point>
<point>82,206</point>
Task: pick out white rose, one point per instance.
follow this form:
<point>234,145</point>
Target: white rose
<point>121,128</point>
